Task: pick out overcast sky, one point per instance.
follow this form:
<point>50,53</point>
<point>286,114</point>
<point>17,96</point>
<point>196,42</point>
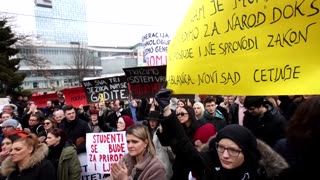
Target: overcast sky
<point>113,22</point>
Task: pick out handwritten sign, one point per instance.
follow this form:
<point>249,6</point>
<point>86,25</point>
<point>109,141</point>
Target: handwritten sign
<point>111,88</point>
<point>41,100</point>
<point>75,96</point>
<point>103,149</point>
<point>85,175</point>
<point>247,47</point>
<point>155,48</point>
<point>145,82</point>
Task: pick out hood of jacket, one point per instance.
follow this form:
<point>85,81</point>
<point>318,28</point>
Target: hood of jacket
<point>271,162</point>
<point>217,114</point>
<point>7,166</point>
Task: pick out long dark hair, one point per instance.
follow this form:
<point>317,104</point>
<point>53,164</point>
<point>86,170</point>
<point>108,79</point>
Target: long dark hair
<point>304,127</point>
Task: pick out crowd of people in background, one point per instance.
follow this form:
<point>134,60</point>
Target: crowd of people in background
<point>217,137</point>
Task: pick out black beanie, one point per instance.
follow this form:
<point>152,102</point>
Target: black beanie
<point>253,101</point>
<point>243,138</point>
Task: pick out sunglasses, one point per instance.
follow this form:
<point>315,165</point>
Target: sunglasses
<point>181,114</point>
<point>46,123</point>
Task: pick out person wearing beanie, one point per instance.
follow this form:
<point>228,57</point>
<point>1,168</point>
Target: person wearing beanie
<point>9,127</point>
<point>234,154</point>
<point>124,122</point>
<point>264,121</point>
<point>203,134</point>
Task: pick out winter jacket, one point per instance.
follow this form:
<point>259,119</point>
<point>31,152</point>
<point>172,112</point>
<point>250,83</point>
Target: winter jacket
<point>150,168</point>
<point>76,132</point>
<point>38,168</point>
<point>69,167</point>
<point>217,120</point>
<point>270,127</point>
<point>165,154</point>
<point>206,165</point>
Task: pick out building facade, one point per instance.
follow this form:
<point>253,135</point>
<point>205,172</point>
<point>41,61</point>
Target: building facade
<point>61,21</point>
<point>60,70</point>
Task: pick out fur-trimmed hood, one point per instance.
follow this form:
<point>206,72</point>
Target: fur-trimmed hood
<point>7,166</point>
<point>272,162</point>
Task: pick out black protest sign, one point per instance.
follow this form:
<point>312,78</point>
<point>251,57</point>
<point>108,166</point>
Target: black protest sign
<point>145,82</point>
<point>110,88</point>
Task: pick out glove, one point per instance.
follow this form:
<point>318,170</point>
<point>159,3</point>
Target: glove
<point>163,97</point>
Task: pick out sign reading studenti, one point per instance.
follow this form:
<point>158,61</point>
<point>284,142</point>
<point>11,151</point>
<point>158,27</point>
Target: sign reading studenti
<point>246,47</point>
<point>104,149</point>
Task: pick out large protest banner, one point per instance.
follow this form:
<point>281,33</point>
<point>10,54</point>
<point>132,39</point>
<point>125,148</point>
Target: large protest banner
<point>103,149</point>
<point>247,48</point>
<point>109,89</point>
<point>75,96</point>
<point>145,82</point>
<point>155,48</point>
<point>41,100</point>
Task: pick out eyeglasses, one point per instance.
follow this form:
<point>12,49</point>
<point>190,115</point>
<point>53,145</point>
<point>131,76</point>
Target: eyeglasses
<point>231,151</point>
<point>181,114</point>
<point>47,123</point>
<point>7,127</point>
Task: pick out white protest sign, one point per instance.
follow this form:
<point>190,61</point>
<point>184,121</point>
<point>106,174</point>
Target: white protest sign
<point>155,48</point>
<point>85,175</point>
<point>3,102</point>
<point>104,149</point>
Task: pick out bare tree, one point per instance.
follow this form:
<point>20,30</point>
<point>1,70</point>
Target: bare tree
<point>83,61</point>
<point>29,56</point>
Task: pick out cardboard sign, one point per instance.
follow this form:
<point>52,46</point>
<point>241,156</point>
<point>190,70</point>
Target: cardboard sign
<point>75,96</point>
<point>103,149</point>
<point>145,82</point>
<point>111,88</point>
<point>155,48</point>
<point>41,100</point>
<point>247,48</point>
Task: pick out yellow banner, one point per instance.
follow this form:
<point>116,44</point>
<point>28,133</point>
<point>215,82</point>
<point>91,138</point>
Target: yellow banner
<point>247,47</point>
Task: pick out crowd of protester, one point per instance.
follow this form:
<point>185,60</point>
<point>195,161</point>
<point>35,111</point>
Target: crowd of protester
<point>217,137</point>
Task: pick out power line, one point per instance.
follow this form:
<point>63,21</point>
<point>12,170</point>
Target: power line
<point>79,20</point>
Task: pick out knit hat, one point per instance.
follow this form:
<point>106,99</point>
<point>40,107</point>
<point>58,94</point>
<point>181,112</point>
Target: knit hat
<point>128,120</point>
<point>243,138</point>
<point>204,133</point>
<point>10,122</point>
<point>253,101</point>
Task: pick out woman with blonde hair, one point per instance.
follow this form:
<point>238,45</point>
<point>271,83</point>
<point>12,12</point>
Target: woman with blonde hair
<point>27,161</point>
<point>140,163</point>
<point>198,109</point>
